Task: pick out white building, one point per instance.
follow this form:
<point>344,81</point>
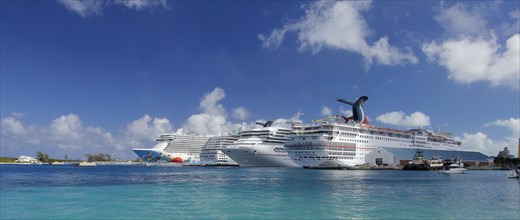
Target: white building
<point>401,156</point>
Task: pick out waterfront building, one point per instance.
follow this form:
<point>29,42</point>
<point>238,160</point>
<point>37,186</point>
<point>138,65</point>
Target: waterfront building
<point>392,156</point>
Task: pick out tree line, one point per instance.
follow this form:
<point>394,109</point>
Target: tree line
<point>44,158</point>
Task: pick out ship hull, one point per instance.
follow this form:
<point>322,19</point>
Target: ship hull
<point>264,156</point>
<point>153,155</point>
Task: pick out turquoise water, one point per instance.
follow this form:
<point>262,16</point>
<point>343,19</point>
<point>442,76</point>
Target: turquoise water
<point>138,192</point>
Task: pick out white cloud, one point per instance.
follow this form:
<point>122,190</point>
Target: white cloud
<point>346,112</point>
<point>64,132</point>
<point>83,8</point>
<point>511,28</point>
<point>142,132</point>
<point>66,128</point>
<point>325,111</point>
<point>141,4</point>
<point>479,142</point>
<point>416,119</point>
<point>210,102</point>
<point>11,125</point>
<point>474,53</point>
<point>240,113</point>
<point>458,19</point>
<point>213,119</point>
<point>339,25</point>
<point>68,134</point>
<point>472,60</point>
<point>86,8</point>
<point>274,40</point>
<point>513,124</point>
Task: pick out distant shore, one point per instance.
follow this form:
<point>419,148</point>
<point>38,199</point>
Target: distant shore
<point>349,168</point>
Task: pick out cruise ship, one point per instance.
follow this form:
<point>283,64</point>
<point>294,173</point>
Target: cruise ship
<point>264,146</point>
<point>211,153</point>
<point>331,143</point>
<point>174,147</point>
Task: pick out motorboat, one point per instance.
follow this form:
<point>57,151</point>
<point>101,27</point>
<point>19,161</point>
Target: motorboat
<point>514,172</point>
<point>455,166</point>
<point>86,164</point>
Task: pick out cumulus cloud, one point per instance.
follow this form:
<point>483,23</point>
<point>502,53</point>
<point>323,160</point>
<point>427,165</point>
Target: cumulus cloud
<point>64,132</point>
<point>472,60</point>
<point>416,119</point>
<point>141,4</point>
<point>513,125</point>
<point>12,125</point>
<point>339,25</point>
<point>142,132</point>
<point>479,142</point>
<point>473,52</point>
<point>459,19</point>
<point>83,8</point>
<point>325,111</point>
<point>240,113</point>
<point>86,8</point>
<point>67,134</point>
<point>213,119</point>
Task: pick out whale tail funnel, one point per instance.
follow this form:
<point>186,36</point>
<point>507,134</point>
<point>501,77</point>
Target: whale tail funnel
<point>357,109</point>
<point>266,124</point>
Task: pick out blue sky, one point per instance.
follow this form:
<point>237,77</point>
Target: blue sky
<point>83,77</point>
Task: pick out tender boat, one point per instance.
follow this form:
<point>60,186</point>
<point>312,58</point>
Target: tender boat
<point>454,167</point>
<point>514,172</point>
<point>418,162</point>
<point>86,164</point>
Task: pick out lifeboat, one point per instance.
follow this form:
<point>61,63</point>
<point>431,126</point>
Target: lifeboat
<point>177,160</point>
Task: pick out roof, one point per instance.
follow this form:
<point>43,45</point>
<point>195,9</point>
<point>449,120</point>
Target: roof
<point>407,154</point>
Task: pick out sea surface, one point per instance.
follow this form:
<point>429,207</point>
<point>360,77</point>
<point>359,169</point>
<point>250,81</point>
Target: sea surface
<point>155,192</point>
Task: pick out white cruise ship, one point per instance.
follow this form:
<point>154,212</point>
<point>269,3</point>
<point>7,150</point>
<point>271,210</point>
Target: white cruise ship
<point>330,143</point>
<point>264,147</point>
<point>211,153</point>
<point>175,147</point>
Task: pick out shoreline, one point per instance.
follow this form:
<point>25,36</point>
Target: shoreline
<point>318,168</point>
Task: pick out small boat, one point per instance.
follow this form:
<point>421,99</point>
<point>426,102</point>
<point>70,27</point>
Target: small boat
<point>86,164</point>
<point>435,163</point>
<point>454,167</point>
<point>418,162</point>
<point>514,172</point>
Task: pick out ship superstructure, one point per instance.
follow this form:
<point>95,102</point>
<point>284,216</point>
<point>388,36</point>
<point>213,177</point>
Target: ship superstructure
<point>264,146</point>
<point>174,147</point>
<point>211,153</point>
